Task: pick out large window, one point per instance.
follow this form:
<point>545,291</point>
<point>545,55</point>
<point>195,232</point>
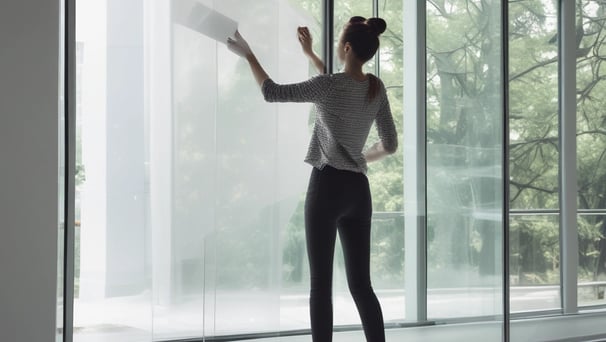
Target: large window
<point>190,188</point>
<point>189,185</point>
<point>537,146</point>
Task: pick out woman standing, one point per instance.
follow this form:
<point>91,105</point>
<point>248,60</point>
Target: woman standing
<point>338,197</point>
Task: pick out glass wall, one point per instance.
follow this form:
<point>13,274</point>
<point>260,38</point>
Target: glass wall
<point>534,153</point>
<point>535,150</point>
<point>464,159</point>
<point>190,188</point>
<point>112,287</point>
<point>386,177</point>
<point>591,151</point>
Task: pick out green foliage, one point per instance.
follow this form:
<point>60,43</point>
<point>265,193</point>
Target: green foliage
<point>534,135</point>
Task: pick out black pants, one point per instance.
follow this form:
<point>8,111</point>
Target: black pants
<point>340,200</point>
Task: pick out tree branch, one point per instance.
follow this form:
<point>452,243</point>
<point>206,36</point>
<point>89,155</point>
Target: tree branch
<point>536,66</point>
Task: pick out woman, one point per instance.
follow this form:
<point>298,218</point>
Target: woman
<point>338,196</point>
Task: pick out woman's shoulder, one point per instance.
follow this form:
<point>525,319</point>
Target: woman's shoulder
<point>375,78</point>
<point>322,79</point>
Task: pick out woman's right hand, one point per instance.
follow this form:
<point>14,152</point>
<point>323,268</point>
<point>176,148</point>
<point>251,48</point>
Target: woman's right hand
<point>239,46</point>
<point>305,39</point>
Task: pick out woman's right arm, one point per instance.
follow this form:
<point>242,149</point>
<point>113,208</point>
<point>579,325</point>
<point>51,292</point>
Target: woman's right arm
<point>312,90</point>
<point>241,48</point>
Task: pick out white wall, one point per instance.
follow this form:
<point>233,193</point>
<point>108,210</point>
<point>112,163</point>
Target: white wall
<point>29,50</point>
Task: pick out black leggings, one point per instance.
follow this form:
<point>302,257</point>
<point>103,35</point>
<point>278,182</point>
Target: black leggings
<point>340,200</point>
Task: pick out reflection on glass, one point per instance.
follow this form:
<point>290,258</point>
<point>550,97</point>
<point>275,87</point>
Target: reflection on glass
<point>534,261</point>
<point>464,159</point>
<point>591,144</point>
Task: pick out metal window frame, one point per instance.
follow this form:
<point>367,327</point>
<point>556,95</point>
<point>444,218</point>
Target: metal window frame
<point>377,57</point>
<point>505,168</point>
<point>415,149</point>
<point>568,155</point>
<point>69,79</point>
<point>328,15</point>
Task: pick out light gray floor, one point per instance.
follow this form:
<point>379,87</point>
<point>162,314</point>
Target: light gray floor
<point>132,319</point>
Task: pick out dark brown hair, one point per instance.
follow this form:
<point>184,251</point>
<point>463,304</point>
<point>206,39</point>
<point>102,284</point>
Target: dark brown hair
<point>363,36</point>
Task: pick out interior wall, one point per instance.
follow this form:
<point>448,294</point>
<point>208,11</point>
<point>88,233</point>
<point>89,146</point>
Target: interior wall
<point>29,89</point>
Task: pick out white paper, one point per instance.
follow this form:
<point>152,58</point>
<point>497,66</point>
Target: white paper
<point>205,20</point>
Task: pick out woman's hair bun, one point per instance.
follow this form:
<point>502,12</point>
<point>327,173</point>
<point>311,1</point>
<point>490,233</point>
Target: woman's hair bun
<point>378,25</point>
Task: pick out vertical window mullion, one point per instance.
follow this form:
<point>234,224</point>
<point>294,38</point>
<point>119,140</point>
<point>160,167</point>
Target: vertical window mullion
<point>70,167</point>
<point>505,164</point>
<point>375,13</point>
<point>328,35</point>
<point>415,166</point>
<point>567,140</point>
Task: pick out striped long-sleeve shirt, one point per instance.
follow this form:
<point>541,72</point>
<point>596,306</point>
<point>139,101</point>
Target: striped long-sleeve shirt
<point>344,116</point>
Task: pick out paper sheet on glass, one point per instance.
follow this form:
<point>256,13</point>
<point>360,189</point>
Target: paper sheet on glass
<point>196,16</point>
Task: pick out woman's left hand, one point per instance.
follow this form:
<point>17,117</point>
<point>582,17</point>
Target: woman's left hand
<point>239,46</point>
<point>305,39</point>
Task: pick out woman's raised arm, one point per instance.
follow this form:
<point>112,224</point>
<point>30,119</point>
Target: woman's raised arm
<point>241,48</point>
<point>306,44</point>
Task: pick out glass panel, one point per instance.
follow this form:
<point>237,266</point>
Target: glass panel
<point>189,186</point>
<point>387,264</point>
<point>591,151</point>
<point>112,290</point>
<point>343,11</point>
<point>533,94</point>
<point>534,262</point>
<point>592,280</point>
<point>246,228</point>
<point>386,176</point>
<point>534,153</point>
<point>294,124</point>
<point>464,159</point>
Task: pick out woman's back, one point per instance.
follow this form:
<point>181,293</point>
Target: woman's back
<point>344,116</point>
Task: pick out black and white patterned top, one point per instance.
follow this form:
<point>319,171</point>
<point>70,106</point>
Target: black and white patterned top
<point>344,116</point>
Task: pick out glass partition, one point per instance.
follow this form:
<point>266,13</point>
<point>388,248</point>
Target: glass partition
<point>591,156</point>
<point>112,291</point>
<point>386,177</point>
<point>534,262</point>
<point>534,153</point>
<point>464,159</point>
<point>189,186</point>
